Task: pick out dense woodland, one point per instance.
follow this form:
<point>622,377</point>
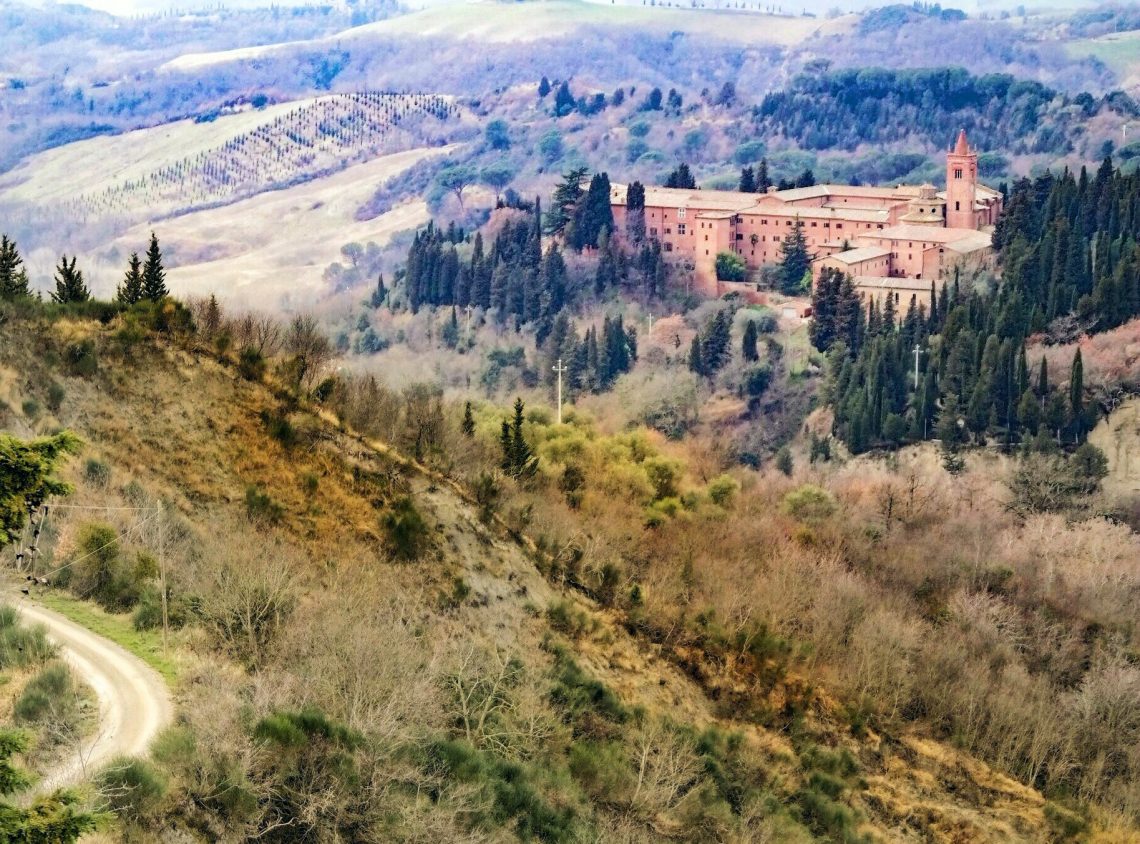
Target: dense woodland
<point>515,281</point>
<point>1067,245</point>
<point>842,109</point>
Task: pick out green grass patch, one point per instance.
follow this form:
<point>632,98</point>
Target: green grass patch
<point>145,644</point>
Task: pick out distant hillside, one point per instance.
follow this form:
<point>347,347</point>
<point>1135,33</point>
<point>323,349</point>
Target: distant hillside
<point>221,157</point>
<point>846,108</point>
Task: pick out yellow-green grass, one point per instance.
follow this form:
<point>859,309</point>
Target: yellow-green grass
<point>145,644</point>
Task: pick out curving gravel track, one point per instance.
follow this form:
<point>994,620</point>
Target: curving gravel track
<point>134,701</point>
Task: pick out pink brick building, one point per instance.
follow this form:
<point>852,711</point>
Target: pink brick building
<point>904,232</point>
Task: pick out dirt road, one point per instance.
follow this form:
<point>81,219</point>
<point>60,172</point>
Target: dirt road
<point>134,702</point>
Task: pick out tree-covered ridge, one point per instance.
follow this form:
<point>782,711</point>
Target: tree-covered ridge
<point>1068,248</point>
<point>846,108</point>
<point>519,278</point>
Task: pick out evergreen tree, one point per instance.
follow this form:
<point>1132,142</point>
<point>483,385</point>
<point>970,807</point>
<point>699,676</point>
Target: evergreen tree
<point>564,102</point>
<point>951,428</point>
<point>131,290</point>
<point>69,284</point>
<point>564,203</point>
<point>543,87</point>
<point>450,332</point>
<point>517,458</point>
<point>1077,398</point>
<point>795,261</point>
<point>154,276</point>
<point>380,293</point>
<point>717,341</point>
<point>13,278</point>
<point>748,348</point>
<point>212,319</point>
<point>594,213</point>
<point>747,181</point>
<point>507,446</point>
<point>468,426</point>
<point>681,177</point>
<point>695,363</point>
<point>763,180</point>
<point>635,212</point>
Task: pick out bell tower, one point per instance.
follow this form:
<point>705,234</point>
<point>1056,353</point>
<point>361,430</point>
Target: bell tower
<point>961,184</point>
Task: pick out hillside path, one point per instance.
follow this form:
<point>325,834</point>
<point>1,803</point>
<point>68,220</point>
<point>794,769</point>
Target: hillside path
<point>134,701</point>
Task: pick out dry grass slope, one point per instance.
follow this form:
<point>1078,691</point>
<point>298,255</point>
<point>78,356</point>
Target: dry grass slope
<point>185,426</point>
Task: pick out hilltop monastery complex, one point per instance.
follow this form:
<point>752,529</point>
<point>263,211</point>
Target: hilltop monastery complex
<point>893,241</point>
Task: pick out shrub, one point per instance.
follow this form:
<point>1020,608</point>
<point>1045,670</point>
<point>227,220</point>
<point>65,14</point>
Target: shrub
<point>809,504</point>
<point>31,408</point>
<point>570,621</point>
<point>1064,824</point>
<point>784,461</point>
<point>101,573</point>
<point>487,492</point>
<point>50,694</point>
<point>279,428</point>
<point>585,701</point>
<point>148,610</point>
<point>82,358</point>
<point>766,322</point>
<point>97,473</point>
<point>639,129</point>
<point>722,489</point>
<point>664,474</point>
<point>405,529</point>
<point>510,789</point>
<point>730,267</point>
<point>756,380</point>
<point>251,364</point>
<point>602,769</point>
<point>260,507</point>
<point>133,788</point>
<point>22,646</point>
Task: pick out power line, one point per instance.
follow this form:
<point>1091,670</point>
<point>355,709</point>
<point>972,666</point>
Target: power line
<point>103,547</point>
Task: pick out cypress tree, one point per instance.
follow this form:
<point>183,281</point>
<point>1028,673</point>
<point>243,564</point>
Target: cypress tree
<point>717,342</point>
<point>747,181</point>
<point>380,293</point>
<point>1077,397</point>
<point>763,181</point>
<point>748,348</point>
<point>154,276</point>
<point>468,426</point>
<point>695,363</point>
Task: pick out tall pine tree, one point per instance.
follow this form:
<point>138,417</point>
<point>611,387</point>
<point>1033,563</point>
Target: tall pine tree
<point>131,290</point>
<point>154,275</point>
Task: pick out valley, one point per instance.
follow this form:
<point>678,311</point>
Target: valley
<point>569,421</point>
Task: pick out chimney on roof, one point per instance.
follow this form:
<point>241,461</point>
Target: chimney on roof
<point>773,189</point>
